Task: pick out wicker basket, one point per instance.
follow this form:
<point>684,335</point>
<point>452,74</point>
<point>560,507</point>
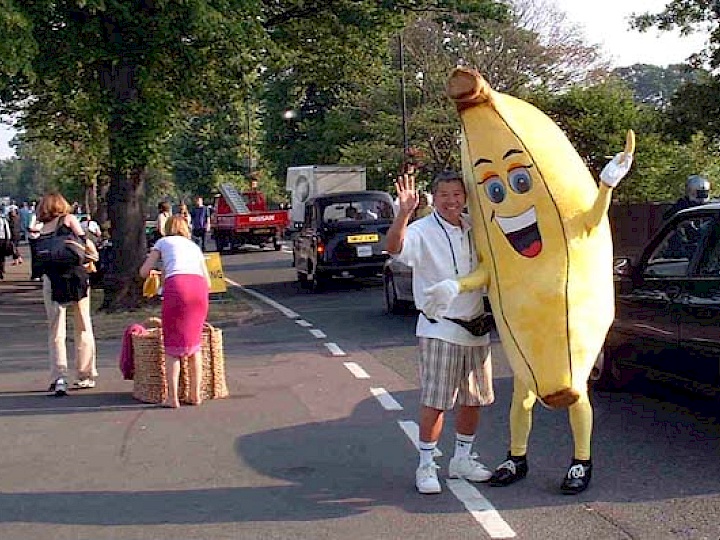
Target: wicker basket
<point>150,384</point>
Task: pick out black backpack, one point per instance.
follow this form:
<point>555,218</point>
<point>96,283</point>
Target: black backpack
<point>60,248</point>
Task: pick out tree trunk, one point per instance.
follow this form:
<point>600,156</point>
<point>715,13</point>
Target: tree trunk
<point>125,210</point>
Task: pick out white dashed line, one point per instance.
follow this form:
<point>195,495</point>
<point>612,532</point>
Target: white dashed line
<point>481,509</point>
<point>335,350</point>
<point>356,370</point>
<point>269,301</point>
<point>386,400</point>
<point>412,431</point>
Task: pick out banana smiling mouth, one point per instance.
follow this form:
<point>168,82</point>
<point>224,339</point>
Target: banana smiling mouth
<point>522,232</point>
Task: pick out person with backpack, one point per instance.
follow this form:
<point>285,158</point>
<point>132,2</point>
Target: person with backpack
<point>66,285</point>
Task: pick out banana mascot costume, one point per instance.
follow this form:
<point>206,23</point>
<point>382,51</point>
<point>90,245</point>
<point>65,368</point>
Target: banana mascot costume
<point>541,229</point>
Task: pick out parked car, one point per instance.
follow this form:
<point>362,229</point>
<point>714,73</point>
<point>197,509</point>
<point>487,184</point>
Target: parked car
<point>343,235</point>
<point>397,287</point>
<point>667,320</point>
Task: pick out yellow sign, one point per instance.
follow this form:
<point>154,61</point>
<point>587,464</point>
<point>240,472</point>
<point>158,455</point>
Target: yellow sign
<point>360,238</point>
<point>217,278</point>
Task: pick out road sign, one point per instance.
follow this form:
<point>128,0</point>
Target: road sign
<point>217,277</point>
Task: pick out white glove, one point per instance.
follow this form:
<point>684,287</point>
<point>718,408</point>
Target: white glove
<point>616,169</point>
<point>439,297</point>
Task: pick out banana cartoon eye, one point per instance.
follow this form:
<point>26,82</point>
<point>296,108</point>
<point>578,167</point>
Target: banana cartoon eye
<point>520,180</point>
<point>495,190</point>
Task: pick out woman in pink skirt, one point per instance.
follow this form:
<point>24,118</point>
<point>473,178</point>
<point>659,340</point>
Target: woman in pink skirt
<point>185,304</point>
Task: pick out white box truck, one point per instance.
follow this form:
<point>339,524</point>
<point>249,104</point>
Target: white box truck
<point>311,180</point>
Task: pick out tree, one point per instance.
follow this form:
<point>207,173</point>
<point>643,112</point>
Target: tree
<point>657,85</point>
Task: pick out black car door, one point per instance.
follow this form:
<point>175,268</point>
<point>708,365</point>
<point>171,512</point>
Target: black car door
<point>649,308</point>
<point>700,315</point>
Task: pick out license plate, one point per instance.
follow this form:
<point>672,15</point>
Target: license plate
<point>364,251</point>
<point>362,238</point>
<point>263,231</point>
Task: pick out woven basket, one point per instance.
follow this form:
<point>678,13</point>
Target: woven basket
<point>150,384</point>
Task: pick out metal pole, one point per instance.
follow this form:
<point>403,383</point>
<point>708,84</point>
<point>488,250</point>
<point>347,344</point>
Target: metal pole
<point>403,102</point>
<point>249,136</point>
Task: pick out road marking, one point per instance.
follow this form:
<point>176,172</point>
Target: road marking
<point>481,509</point>
<point>303,323</point>
<point>386,400</point>
<point>335,350</point>
<point>356,370</point>
<point>412,430</point>
<point>269,301</point>
<point>317,333</point>
<point>80,409</point>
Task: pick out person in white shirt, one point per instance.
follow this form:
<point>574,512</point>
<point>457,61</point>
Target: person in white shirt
<point>455,365</point>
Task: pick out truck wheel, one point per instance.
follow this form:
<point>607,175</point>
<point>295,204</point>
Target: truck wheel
<point>219,243</point>
<point>277,244</point>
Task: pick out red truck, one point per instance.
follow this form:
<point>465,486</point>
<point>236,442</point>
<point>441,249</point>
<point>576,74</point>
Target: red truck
<point>241,219</point>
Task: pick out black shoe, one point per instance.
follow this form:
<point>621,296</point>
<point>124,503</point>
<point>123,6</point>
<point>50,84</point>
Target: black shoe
<point>577,478</point>
<point>510,471</point>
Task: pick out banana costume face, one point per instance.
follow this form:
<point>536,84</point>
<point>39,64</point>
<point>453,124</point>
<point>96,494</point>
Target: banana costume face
<point>542,232</point>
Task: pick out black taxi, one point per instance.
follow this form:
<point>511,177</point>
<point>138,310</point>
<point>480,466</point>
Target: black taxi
<point>667,307</point>
<point>343,235</point>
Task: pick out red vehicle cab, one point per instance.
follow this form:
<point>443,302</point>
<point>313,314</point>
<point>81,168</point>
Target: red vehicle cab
<point>241,219</point>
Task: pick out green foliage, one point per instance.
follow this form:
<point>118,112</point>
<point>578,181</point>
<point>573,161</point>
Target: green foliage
<point>695,108</point>
<point>657,85</point>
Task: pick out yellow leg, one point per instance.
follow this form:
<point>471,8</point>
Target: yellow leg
<point>581,421</point>
<point>520,417</point>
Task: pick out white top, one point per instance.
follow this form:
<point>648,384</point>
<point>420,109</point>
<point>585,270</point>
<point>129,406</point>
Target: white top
<point>437,250</point>
<point>180,255</point>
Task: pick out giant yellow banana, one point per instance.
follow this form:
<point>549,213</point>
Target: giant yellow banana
<point>542,232</point>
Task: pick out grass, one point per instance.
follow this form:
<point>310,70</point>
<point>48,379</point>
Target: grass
<point>229,307</point>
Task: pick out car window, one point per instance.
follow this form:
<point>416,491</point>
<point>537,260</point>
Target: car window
<point>357,210</point>
<point>674,253</point>
<point>710,260</point>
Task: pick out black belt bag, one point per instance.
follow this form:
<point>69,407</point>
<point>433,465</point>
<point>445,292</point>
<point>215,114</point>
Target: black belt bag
<point>479,326</point>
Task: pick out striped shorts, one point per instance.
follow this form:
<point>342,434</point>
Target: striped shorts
<point>450,373</point>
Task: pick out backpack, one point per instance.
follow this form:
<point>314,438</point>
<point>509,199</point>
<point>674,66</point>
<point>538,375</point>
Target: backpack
<point>60,248</point>
<point>6,247</point>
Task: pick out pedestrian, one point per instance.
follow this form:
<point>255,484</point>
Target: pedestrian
<point>65,287</point>
<point>697,192</point>
<point>164,212</point>
<point>423,208</point>
<point>455,365</point>
<point>200,218</point>
<point>186,286</point>
<point>185,213</point>
<point>34,229</point>
<point>8,246</point>
<point>25,215</point>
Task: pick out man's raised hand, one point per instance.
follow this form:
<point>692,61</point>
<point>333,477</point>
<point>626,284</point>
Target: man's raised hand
<point>408,198</point>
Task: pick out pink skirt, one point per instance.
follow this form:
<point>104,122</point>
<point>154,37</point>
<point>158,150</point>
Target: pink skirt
<point>184,311</point>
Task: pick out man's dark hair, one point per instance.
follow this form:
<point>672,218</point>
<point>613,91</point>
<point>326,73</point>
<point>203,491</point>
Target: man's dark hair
<point>447,175</point>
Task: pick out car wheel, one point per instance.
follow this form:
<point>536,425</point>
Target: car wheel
<point>392,305</point>
<point>608,374</point>
<point>319,281</point>
<point>302,279</point>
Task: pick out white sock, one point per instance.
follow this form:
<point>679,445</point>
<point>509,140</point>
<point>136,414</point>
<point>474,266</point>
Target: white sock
<point>426,452</point>
<point>463,444</point>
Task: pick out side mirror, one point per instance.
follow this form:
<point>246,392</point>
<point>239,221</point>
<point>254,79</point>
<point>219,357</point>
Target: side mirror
<point>622,266</point>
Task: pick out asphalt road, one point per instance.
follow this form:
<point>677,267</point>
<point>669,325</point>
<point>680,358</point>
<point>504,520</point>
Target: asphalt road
<point>654,450</point>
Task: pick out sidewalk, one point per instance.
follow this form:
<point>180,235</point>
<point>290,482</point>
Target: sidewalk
<point>99,464</point>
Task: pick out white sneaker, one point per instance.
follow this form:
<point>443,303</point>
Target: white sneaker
<point>84,383</point>
<point>466,467</point>
<point>60,387</point>
<point>426,480</point>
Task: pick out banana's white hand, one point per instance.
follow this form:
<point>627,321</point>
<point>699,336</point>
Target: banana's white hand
<point>439,298</point>
<point>616,169</point>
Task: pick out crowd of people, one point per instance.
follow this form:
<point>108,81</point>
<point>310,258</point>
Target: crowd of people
<point>176,254</point>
